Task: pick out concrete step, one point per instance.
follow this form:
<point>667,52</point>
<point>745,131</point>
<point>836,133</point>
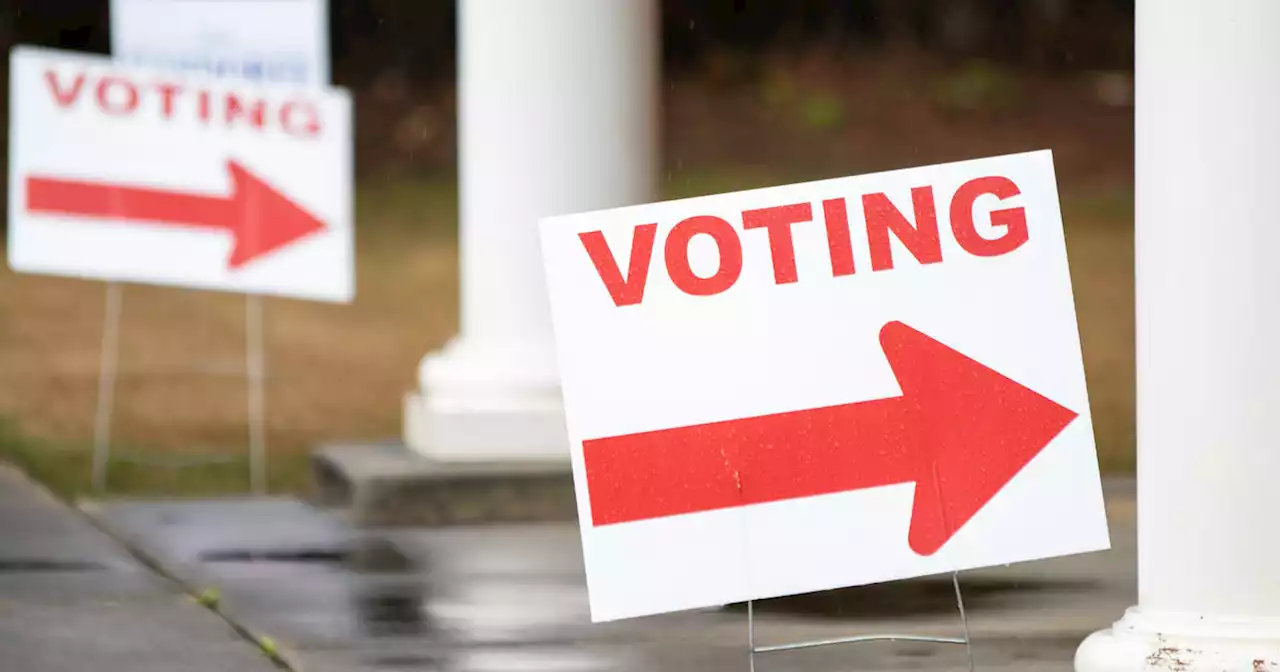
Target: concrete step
<point>385,484</point>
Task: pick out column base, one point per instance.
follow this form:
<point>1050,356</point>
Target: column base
<point>1143,641</point>
<point>494,404</point>
<point>528,435</point>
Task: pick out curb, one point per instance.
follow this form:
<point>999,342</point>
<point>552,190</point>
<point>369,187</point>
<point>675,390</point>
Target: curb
<point>280,657</point>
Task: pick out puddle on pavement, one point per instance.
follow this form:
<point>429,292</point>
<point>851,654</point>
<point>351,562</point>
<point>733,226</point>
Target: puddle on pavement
<point>536,659</point>
<point>394,609</point>
<point>381,594</point>
<point>322,581</point>
<point>377,555</point>
<point>325,556</point>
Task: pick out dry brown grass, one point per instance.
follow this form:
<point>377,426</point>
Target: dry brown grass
<point>335,371</point>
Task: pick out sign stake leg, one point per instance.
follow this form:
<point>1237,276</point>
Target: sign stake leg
<point>107,364</point>
<point>751,636</point>
<point>955,576</point>
<point>255,369</point>
<point>964,618</point>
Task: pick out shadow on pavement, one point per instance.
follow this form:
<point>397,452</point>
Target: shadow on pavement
<point>916,597</point>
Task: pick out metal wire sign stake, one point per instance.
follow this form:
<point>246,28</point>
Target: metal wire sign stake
<point>108,359</point>
<point>859,639</point>
<point>108,371</point>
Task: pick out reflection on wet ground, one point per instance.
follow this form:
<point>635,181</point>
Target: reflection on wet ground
<point>514,597</point>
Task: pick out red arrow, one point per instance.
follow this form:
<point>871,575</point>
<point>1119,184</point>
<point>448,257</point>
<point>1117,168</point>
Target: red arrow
<point>960,431</point>
<point>260,219</point>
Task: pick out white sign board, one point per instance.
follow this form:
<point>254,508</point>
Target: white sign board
<point>821,385</point>
<point>284,41</point>
<point>142,175</point>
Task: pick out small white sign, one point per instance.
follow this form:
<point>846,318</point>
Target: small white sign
<point>282,41</point>
<point>821,385</point>
<point>144,175</point>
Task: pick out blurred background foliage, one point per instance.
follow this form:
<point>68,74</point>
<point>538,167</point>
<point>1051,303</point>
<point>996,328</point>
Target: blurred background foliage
<point>398,56</point>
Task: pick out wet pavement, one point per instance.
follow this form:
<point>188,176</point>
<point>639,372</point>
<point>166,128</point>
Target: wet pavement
<point>513,597</point>
<point>73,600</point>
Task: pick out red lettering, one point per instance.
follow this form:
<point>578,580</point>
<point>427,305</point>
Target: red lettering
<point>203,106</point>
<point>836,216</point>
<point>300,118</point>
<point>921,240</point>
<point>1013,220</point>
<point>624,291</point>
<point>917,232</point>
<point>256,112</point>
<point>677,255</point>
<point>64,97</point>
<point>112,104</point>
<point>778,220</point>
<point>167,93</point>
<point>118,95</point>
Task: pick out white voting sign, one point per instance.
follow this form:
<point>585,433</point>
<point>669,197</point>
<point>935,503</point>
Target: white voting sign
<point>820,385</point>
<point>141,175</point>
<point>285,41</point>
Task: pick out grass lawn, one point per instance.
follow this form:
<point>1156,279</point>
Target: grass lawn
<point>338,372</point>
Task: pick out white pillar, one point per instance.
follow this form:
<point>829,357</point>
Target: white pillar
<point>558,114</point>
<point>1208,343</point>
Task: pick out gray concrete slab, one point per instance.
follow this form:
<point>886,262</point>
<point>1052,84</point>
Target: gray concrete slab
<point>73,600</point>
<point>74,587</point>
<point>121,637</point>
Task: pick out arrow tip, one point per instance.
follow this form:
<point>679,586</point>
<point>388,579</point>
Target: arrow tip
<point>977,430</point>
<point>263,220</point>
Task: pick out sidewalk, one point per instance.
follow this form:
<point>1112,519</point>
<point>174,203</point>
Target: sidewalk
<point>72,600</point>
<point>513,598</point>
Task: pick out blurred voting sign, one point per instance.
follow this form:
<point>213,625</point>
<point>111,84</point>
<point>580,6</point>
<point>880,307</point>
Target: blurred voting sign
<point>149,176</point>
<point>820,385</point>
<point>281,41</point>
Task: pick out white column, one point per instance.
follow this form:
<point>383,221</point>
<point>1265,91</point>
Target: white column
<point>558,114</point>
<point>1208,343</point>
